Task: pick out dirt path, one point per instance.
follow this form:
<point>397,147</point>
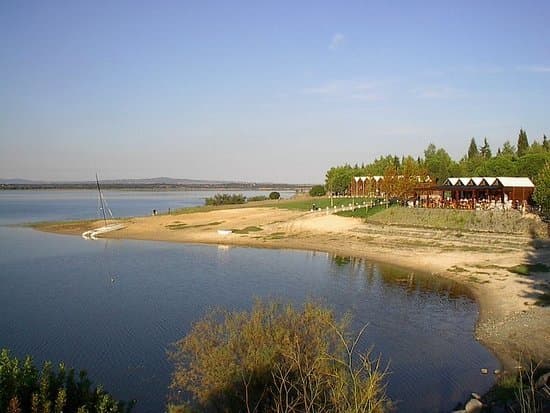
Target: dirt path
<point>511,322</point>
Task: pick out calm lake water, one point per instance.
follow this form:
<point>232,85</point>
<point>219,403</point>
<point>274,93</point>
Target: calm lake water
<point>58,301</point>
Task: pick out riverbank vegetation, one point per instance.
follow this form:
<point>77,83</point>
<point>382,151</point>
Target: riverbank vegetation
<point>276,358</point>
<point>26,389</point>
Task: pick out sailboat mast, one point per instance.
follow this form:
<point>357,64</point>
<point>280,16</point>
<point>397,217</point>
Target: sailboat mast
<point>102,203</point>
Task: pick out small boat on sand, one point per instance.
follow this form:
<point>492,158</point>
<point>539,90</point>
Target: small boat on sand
<point>105,211</point>
<point>91,234</point>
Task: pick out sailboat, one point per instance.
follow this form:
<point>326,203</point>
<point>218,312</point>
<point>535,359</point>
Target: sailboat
<point>107,215</point>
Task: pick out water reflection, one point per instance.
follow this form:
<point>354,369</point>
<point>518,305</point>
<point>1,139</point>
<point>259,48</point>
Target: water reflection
<point>409,279</point>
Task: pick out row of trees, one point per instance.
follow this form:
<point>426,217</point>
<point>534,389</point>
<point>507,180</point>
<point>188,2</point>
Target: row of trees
<point>232,199</point>
<point>524,159</point>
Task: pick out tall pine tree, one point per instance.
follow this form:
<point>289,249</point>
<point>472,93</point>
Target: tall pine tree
<point>546,144</point>
<point>523,144</point>
<point>486,150</point>
<point>472,150</point>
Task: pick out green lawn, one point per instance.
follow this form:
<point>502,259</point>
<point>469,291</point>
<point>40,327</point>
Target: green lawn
<point>362,212</point>
<point>300,204</point>
<point>320,202</point>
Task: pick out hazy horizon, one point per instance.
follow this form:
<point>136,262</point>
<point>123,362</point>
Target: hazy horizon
<point>157,179</point>
<point>275,92</point>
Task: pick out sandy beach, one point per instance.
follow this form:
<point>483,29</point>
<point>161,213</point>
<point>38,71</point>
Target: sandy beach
<point>511,323</point>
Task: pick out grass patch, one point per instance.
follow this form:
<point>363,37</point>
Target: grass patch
<point>183,225</point>
<point>298,204</point>
<point>247,230</point>
<point>176,226</point>
<point>505,222</point>
<point>505,389</point>
<point>362,212</point>
<point>275,236</point>
<point>527,269</point>
<point>60,225</point>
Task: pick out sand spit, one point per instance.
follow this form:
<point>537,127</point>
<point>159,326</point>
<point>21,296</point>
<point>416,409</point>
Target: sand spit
<point>512,322</point>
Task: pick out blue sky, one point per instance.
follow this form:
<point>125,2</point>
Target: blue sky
<point>262,91</point>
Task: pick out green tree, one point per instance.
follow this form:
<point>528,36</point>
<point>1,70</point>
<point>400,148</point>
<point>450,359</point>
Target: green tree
<point>338,179</point>
<point>317,190</point>
<point>274,195</point>
<point>523,143</point>
<point>380,165</point>
<point>508,150</point>
<point>531,164</point>
<point>546,144</point>
<point>498,166</point>
<point>542,189</point>
<point>536,147</point>
<point>438,163</point>
<point>473,152</point>
<point>485,150</point>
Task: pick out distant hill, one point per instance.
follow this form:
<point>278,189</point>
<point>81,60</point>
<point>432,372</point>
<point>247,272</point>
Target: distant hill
<point>165,180</point>
<point>147,183</point>
<point>160,180</point>
<point>17,181</point>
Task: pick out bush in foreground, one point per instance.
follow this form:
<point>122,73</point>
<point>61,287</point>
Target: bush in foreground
<point>23,388</point>
<point>276,358</point>
<point>274,195</point>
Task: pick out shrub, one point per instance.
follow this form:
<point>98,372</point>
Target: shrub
<point>225,199</point>
<point>257,198</point>
<point>317,190</point>
<point>274,195</point>
<point>25,389</point>
<point>276,359</point>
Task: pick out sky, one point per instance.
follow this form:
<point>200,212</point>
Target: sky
<point>262,91</point>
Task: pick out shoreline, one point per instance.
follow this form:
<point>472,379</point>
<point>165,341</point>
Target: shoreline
<point>510,323</point>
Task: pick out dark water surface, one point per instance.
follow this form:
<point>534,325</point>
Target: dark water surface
<point>59,301</point>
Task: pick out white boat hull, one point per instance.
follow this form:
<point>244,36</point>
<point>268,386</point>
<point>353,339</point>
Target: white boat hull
<point>92,234</point>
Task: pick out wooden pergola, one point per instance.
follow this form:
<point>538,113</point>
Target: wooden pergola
<point>469,192</point>
<point>503,189</point>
